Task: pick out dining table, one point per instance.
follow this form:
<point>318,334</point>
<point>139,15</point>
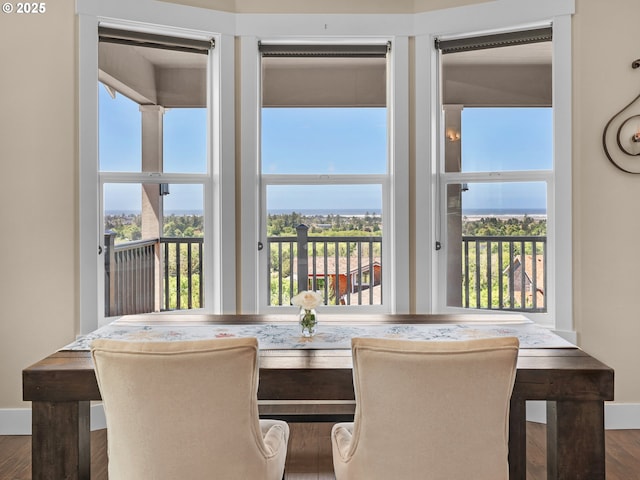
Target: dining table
<point>311,380</point>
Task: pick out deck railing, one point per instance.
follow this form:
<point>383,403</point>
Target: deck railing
<point>345,269</point>
<point>131,275</point>
<point>498,273</point>
<point>504,273</point>
<point>130,271</point>
<point>182,273</point>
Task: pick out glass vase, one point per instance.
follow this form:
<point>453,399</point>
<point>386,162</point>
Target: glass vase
<point>308,322</point>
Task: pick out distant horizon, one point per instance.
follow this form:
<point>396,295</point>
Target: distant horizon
<point>351,211</point>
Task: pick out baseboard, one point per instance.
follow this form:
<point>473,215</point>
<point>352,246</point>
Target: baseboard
<point>536,411</point>
<point>622,416</point>
<point>17,421</point>
<point>617,416</point>
<point>98,420</point>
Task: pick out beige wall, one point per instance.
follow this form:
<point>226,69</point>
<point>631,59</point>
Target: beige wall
<point>304,6</point>
<point>38,194</point>
<point>326,6</point>
<point>38,190</point>
<point>606,215</point>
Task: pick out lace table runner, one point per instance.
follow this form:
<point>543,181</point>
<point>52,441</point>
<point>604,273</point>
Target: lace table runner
<point>287,336</point>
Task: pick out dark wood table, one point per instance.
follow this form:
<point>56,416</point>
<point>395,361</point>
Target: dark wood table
<point>574,385</point>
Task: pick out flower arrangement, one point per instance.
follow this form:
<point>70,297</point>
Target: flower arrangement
<point>307,300</point>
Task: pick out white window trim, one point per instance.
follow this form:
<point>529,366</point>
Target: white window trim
<point>344,179</point>
<point>502,177</point>
<point>495,16</point>
<point>499,14</point>
<point>186,21</point>
<point>396,244</point>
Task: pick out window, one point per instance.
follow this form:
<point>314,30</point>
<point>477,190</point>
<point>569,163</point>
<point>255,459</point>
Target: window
<point>324,164</point>
<point>154,171</point>
<point>496,172</point>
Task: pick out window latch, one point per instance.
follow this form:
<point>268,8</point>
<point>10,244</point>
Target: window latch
<point>438,246</point>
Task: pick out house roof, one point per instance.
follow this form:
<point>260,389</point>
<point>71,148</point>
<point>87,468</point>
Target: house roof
<point>528,269</point>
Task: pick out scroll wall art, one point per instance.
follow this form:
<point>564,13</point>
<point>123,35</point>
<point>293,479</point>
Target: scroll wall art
<point>621,136</point>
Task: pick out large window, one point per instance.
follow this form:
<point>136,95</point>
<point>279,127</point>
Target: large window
<point>154,171</point>
<point>324,173</point>
<point>496,172</point>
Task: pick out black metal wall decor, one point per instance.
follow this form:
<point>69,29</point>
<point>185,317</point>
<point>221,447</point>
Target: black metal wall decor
<point>621,136</point>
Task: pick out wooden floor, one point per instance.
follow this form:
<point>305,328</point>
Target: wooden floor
<point>309,455</point>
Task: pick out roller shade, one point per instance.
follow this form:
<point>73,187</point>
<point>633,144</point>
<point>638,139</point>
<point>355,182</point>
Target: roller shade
<point>495,40</point>
<point>325,50</point>
<point>324,75</point>
<point>143,39</point>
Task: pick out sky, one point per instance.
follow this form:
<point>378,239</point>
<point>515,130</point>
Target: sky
<point>324,142</point>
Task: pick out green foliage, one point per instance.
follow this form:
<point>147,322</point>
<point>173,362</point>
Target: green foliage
<point>501,227</point>
<point>128,227</point>
<point>184,292</point>
<point>183,226</point>
<point>284,225</point>
<point>278,297</point>
<point>490,262</point>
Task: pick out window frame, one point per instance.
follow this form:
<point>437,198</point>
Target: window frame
<point>220,176</point>
<point>415,112</point>
<point>394,183</point>
<point>482,19</point>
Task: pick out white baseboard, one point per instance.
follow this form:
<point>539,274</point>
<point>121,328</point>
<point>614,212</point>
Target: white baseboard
<point>98,420</point>
<point>536,411</point>
<point>17,421</point>
<point>617,416</point>
<point>622,416</point>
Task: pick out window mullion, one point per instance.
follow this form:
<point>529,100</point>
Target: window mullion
<point>506,176</point>
<point>315,179</point>
<point>146,177</point>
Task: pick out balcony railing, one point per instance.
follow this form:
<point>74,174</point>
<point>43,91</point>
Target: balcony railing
<point>130,271</point>
<point>497,273</point>
<point>504,273</point>
<point>182,273</point>
<point>132,275</point>
<point>347,270</point>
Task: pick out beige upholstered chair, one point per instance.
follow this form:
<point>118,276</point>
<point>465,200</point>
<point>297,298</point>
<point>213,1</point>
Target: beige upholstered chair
<point>186,410</point>
<point>428,410</point>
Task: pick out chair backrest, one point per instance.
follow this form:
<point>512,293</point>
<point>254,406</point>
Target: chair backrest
<point>432,410</point>
<point>183,409</point>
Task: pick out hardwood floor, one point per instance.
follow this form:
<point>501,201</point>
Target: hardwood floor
<point>309,455</point>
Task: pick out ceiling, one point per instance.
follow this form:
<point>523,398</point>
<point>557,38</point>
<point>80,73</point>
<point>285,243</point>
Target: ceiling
<point>177,79</point>
<point>529,54</point>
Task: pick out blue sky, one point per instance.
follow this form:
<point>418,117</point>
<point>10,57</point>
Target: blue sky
<point>326,141</point>
<point>506,139</point>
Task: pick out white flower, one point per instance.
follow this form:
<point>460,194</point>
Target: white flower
<point>307,299</point>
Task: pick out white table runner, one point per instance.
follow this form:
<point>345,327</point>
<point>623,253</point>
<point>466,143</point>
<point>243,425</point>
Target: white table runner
<point>287,336</point>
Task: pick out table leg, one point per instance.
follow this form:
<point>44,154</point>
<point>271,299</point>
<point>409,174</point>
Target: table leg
<point>60,441</point>
<point>575,440</point>
<point>518,439</point>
